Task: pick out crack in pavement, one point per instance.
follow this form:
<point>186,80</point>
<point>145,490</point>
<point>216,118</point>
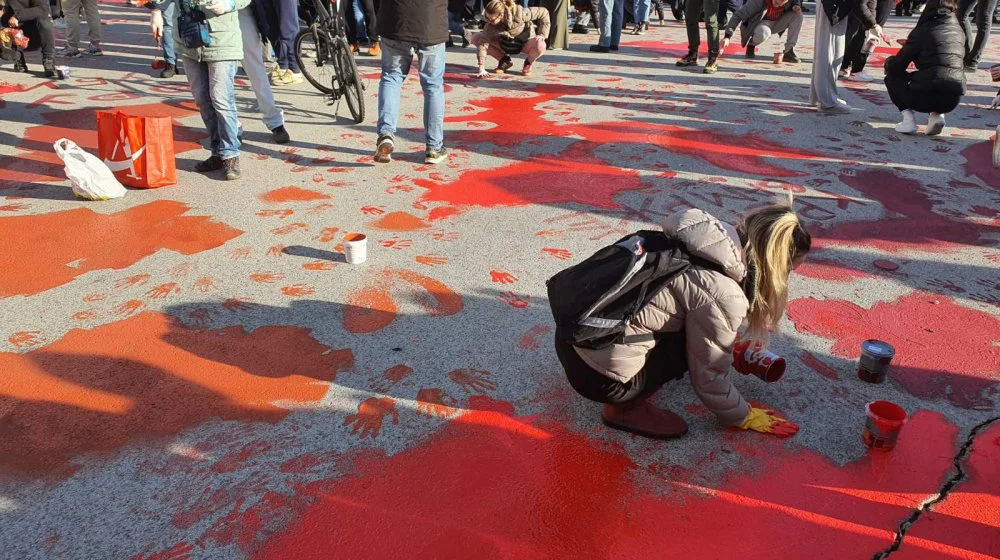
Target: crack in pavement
<point>949,485</point>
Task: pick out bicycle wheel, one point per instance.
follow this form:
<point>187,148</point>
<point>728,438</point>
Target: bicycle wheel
<point>314,52</point>
<point>348,80</point>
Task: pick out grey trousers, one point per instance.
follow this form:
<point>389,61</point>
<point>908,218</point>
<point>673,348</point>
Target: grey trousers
<point>791,22</point>
<point>828,55</point>
<point>71,11</point>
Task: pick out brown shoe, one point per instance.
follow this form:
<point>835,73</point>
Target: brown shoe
<point>641,417</point>
<point>691,59</point>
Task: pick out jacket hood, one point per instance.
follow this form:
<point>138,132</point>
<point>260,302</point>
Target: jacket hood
<point>708,238</point>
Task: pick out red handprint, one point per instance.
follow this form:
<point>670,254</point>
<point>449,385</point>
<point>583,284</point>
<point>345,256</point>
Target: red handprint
<point>373,210</point>
<point>398,188</point>
<point>276,251</point>
<point>13,207</point>
<point>472,380</point>
<point>390,378</point>
<point>129,307</point>
<point>946,285</point>
<point>371,414</point>
<point>399,179</point>
<point>327,234</point>
<point>26,339</point>
<point>561,254</point>
<point>530,339</point>
<point>445,235</point>
<point>137,280</point>
<point>318,178</point>
<point>339,184</point>
<point>94,297</point>
<point>84,315</point>
<point>290,228</point>
<point>319,265</point>
<point>514,300</point>
<point>181,270</point>
<point>280,214</point>
<point>240,253</point>
<point>205,284</point>
<point>237,304</point>
<point>267,277</point>
<point>319,208</point>
<point>432,260</point>
<point>259,157</point>
<point>298,290</point>
<point>432,401</point>
<point>499,277</point>
<point>396,243</point>
<point>201,317</point>
<point>164,290</point>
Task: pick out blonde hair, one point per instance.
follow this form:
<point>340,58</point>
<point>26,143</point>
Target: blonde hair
<point>500,7</point>
<point>773,238</point>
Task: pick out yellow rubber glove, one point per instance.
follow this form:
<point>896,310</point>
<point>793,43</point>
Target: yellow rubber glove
<point>768,422</point>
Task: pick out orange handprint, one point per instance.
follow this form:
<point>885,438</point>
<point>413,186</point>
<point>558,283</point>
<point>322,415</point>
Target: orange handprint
<point>371,414</point>
<point>164,290</point>
<point>281,214</point>
<point>327,234</point>
<point>435,402</point>
<point>94,297</point>
<point>237,304</point>
<point>319,265</point>
<point>319,208</point>
<point>445,235</point>
<point>472,380</point>
<point>432,260</point>
<point>298,290</point>
<point>396,243</point>
<point>267,277</point>
<point>205,284</point>
<point>499,277</point>
<point>290,228</point>
<point>561,254</point>
<point>26,339</point>
<point>240,253</point>
<point>398,188</point>
<point>373,210</point>
<point>276,251</point>
<point>137,280</point>
<point>84,315</point>
<point>13,207</point>
<point>390,378</point>
<point>129,307</point>
<point>514,300</point>
<point>181,270</point>
<point>201,317</point>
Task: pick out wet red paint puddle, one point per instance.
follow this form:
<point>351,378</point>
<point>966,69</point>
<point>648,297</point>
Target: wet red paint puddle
<point>915,227</point>
<point>514,119</point>
<point>489,485</point>
<point>979,163</point>
<point>943,350</point>
<point>829,271</point>
<point>968,520</point>
<point>37,162</point>
<point>44,245</point>
<point>292,194</point>
<point>148,376</point>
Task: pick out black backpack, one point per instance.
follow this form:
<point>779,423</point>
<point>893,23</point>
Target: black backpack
<point>593,301</point>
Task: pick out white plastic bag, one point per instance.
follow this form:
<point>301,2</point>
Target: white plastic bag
<point>90,177</point>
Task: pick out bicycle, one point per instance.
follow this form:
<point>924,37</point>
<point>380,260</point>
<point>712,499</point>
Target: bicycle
<point>325,57</point>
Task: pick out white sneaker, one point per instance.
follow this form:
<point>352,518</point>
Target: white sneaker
<point>843,74</point>
<point>935,124</point>
<point>59,23</point>
<point>861,77</point>
<point>909,124</point>
<point>837,109</point>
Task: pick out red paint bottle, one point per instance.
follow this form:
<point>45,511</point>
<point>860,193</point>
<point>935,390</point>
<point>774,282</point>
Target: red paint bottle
<point>751,358</point>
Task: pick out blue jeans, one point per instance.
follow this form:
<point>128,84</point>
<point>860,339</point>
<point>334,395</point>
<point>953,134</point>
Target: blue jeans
<point>612,13</point>
<point>641,11</point>
<point>396,59</point>
<point>213,88</point>
<point>455,24</point>
<point>168,8</point>
<point>359,20</point>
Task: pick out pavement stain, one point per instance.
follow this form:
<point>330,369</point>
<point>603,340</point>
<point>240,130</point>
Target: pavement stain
<point>373,307</point>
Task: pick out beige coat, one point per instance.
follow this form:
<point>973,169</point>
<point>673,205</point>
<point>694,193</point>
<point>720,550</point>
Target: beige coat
<point>708,305</point>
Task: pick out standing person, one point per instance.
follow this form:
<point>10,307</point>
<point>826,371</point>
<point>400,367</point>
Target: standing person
<point>32,18</point>
<point>693,324</point>
<point>692,15</point>
<point>855,57</point>
<point>759,19</point>
<point>370,9</point>
<point>455,26</point>
<point>860,24</point>
<point>984,24</point>
<point>905,8</point>
<point>936,46</point>
<point>558,35</point>
<point>641,11</point>
<point>727,7</point>
<point>831,27</point>
<point>612,14</point>
<point>253,35</point>
<point>72,14</point>
<point>586,13</point>
<point>408,27</point>
<point>511,29</point>
<point>287,29</point>
<point>211,72</point>
<point>167,7</point>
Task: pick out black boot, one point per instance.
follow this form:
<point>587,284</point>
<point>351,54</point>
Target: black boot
<point>20,65</point>
<point>751,51</point>
<point>49,66</point>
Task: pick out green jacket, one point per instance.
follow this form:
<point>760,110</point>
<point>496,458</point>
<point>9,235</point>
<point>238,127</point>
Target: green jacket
<point>224,32</point>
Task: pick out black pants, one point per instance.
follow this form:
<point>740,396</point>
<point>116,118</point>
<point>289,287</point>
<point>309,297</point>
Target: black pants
<point>472,9</point>
<point>853,57</point>
<point>667,361</point>
<point>984,20</point>
<point>370,8</point>
<point>904,6</point>
<point>903,97</point>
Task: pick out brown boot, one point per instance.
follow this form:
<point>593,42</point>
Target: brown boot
<point>641,417</point>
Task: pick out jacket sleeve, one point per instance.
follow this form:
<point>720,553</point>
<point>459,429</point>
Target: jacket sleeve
<point>898,63</point>
<point>25,10</point>
<point>743,14</point>
<point>866,13</point>
<point>711,335</point>
<point>540,19</point>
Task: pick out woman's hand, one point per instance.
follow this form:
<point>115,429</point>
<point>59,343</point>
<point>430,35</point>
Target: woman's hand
<point>13,22</point>
<point>156,25</point>
<point>482,73</point>
<point>768,422</point>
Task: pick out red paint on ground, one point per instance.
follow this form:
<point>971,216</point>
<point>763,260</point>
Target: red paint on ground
<point>915,227</point>
<point>979,163</point>
<point>292,194</point>
<point>515,119</point>
<point>37,161</point>
<point>531,490</point>
<point>829,271</point>
<point>149,376</point>
<point>818,365</point>
<point>372,308</point>
<point>399,221</point>
<point>942,349</point>
<point>94,241</point>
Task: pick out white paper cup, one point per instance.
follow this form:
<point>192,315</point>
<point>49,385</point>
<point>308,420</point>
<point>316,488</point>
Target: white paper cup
<point>355,248</point>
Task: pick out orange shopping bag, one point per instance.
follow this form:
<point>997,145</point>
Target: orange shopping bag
<point>139,150</point>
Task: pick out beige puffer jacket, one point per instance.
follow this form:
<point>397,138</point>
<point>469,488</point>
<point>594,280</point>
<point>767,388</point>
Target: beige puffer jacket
<point>708,305</point>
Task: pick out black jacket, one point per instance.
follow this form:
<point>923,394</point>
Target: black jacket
<point>423,22</point>
<point>864,11</point>
<point>27,10</point>
<point>937,47</point>
<point>838,10</point>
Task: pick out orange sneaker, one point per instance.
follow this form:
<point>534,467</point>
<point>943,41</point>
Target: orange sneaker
<point>375,49</point>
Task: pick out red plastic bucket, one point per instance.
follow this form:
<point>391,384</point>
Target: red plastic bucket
<point>885,420</point>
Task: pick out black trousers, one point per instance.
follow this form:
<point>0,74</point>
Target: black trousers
<point>667,361</point>
<point>855,39</point>
<point>904,98</point>
<point>370,8</point>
